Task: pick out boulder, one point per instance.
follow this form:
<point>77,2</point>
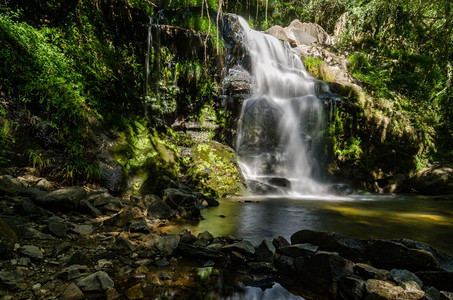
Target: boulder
<point>167,244</point>
<point>328,241</point>
<point>157,208</point>
<point>244,247</point>
<point>379,289</point>
<point>389,254</point>
<point>280,242</point>
<point>265,252</point>
<point>176,198</point>
<point>434,180</point>
<point>298,250</point>
<point>65,199</point>
<point>8,239</point>
<point>321,272</point>
<point>351,287</point>
<point>11,186</point>
<point>97,282</point>
<point>368,272</point>
<point>442,280</point>
<point>400,276</point>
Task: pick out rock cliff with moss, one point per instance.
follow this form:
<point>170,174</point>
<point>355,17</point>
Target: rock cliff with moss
<point>139,96</point>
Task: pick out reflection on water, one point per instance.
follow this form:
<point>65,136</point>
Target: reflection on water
<point>256,293</point>
<point>425,219</point>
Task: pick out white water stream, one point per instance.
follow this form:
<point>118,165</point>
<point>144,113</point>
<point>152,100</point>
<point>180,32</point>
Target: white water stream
<point>280,123</point>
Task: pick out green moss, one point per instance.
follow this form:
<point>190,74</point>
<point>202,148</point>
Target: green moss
<point>214,170</point>
<point>148,158</point>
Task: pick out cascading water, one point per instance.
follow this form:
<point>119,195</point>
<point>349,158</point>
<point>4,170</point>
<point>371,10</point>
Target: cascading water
<point>281,121</point>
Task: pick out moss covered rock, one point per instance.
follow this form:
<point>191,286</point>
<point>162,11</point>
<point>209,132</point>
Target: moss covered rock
<point>149,160</point>
<point>215,171</point>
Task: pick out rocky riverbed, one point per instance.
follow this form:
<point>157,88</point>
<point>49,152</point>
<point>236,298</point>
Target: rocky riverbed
<point>83,243</point>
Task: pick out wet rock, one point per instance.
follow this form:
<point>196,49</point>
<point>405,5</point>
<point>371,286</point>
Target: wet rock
<point>328,241</point>
<point>134,292</point>
<point>204,239</point>
<point>431,293</point>
<point>187,237</point>
<point>378,289</point>
<point>285,264</point>
<point>31,251</point>
<point>442,280</point>
<point>8,239</point>
<point>176,198</point>
<point>65,199</point>
<point>401,276</point>
<point>73,292</point>
<point>322,271</point>
<point>351,287</point>
<point>412,290</point>
<point>112,294</point>
<point>280,242</point>
<point>167,244</point>
<point>265,252</point>
<point>445,260</point>
<point>57,227</point>
<point>298,250</point>
<point>388,254</point>
<point>261,188</point>
<point>244,247</point>
<point>444,295</point>
<point>186,204</point>
<point>190,212</point>
<point>157,208</point>
<point>261,267</point>
<point>368,272</point>
<point>237,81</point>
<point>192,251</point>
<point>96,282</point>
<point>435,180</point>
<point>80,258</point>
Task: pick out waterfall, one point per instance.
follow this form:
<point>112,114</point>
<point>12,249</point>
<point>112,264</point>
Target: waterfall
<point>280,123</point>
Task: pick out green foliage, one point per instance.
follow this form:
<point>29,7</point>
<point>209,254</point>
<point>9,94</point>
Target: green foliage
<point>318,68</point>
<point>7,140</point>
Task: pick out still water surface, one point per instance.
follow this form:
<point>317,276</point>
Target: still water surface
<point>426,219</point>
